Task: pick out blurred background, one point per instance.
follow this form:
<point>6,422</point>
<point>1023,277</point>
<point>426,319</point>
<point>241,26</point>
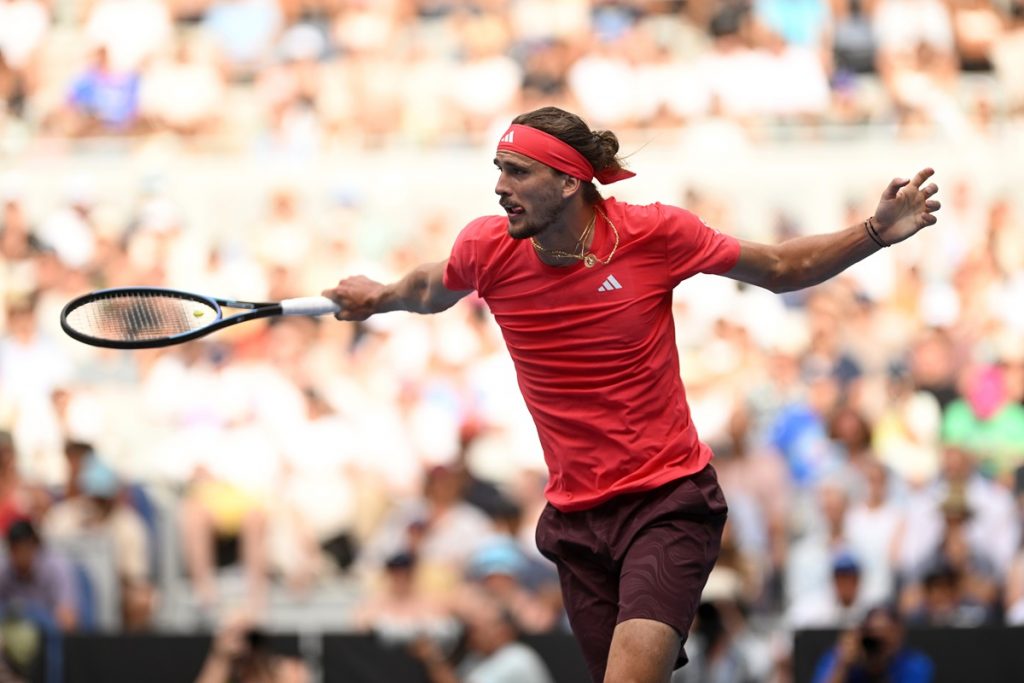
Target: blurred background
<point>315,478</point>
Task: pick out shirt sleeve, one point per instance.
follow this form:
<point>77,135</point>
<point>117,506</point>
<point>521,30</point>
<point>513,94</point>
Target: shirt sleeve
<point>693,247</point>
<point>462,272</point>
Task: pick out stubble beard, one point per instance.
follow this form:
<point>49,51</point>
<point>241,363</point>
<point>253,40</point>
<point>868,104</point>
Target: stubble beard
<point>526,228</point>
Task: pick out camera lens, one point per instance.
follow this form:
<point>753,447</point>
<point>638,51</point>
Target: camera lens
<point>871,644</point>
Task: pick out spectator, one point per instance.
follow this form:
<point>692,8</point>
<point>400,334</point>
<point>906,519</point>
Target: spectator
<point>874,651</point>
<point>843,608</point>
<point>16,499</point>
<point>441,529</point>
<point>758,480</point>
<point>853,40</point>
<point>37,595</point>
<point>933,364</point>
<point>37,588</point>
<point>242,653</point>
<point>992,528</point>
<point>101,508</point>
<point>808,567</point>
<point>906,435</point>
<point>960,585</point>
<point>102,99</point>
<point>987,422</point>
<point>487,82</point>
<point>129,31</point>
<point>244,32</point>
<point>715,657</point>
<point>944,602</point>
<point>977,27</point>
<point>1008,59</point>
<point>70,229</point>
<point>18,242</point>
<point>318,493</point>
<point>13,90</point>
<point>603,67</point>
<point>24,25</point>
<point>524,590</point>
<point>875,526</point>
<point>494,654</point>
<point>187,70</point>
<point>32,366</point>
<point>399,610</point>
<point>222,523</point>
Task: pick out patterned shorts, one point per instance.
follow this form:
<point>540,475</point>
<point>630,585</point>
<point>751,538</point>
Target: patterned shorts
<point>643,555</point>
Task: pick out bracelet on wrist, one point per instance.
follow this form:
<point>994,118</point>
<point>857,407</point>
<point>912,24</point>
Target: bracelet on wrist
<point>872,231</point>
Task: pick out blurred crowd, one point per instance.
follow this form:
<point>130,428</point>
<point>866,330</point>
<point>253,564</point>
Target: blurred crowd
<point>869,433</point>
<point>299,75</point>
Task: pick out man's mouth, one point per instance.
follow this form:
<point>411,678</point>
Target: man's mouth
<point>513,209</point>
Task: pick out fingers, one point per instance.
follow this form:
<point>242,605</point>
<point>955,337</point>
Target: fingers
<point>894,187</point>
<point>922,175</point>
<point>332,294</point>
<point>933,205</point>
<point>929,190</point>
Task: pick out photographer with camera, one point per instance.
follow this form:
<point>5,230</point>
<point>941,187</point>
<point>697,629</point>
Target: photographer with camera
<point>874,651</point>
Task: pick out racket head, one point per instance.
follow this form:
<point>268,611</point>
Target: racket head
<point>139,317</point>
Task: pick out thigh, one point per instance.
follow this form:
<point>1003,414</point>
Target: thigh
<point>591,603</point>
<point>665,570</point>
<point>673,544</point>
<point>589,583</point>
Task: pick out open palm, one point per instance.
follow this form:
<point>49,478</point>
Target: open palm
<point>906,207</point>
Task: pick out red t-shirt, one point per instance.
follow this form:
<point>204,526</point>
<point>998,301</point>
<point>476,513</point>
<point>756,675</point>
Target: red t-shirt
<point>594,348</point>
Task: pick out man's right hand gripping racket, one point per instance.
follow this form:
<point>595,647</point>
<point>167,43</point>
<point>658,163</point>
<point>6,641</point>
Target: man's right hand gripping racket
<point>149,317</point>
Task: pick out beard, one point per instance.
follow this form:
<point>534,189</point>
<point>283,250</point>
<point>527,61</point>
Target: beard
<point>537,220</point>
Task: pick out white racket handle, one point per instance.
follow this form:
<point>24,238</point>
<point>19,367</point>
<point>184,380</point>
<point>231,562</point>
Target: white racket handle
<point>309,305</point>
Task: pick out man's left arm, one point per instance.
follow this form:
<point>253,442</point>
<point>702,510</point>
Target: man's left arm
<point>904,209</point>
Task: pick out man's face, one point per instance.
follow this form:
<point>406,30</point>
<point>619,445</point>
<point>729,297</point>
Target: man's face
<point>882,638</point>
<point>23,555</point>
<point>530,192</point>
<point>847,586</point>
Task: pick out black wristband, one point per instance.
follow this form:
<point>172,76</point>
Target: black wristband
<point>873,233</point>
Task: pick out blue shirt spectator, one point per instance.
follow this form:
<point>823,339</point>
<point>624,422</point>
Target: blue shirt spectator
<point>874,652</point>
<point>105,96</point>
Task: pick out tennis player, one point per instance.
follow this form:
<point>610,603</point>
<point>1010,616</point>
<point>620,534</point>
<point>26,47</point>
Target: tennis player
<point>581,287</point>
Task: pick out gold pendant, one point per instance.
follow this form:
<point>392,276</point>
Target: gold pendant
<point>589,260</point>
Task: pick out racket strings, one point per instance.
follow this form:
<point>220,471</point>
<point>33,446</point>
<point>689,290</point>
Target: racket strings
<point>139,316</point>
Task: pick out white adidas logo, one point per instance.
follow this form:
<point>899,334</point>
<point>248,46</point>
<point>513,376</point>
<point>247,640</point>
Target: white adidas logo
<point>609,284</point>
<point>507,137</point>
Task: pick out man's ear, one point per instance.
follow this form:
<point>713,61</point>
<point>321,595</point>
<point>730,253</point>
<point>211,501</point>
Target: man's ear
<point>570,185</point>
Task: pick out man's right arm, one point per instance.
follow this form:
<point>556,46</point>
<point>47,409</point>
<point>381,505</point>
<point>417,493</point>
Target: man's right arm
<point>422,290</point>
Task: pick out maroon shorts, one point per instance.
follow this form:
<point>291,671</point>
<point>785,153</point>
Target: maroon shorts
<point>637,556</point>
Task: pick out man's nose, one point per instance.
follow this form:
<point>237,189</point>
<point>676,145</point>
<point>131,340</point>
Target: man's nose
<point>501,187</point>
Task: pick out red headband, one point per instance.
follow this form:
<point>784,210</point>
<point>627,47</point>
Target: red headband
<point>549,150</point>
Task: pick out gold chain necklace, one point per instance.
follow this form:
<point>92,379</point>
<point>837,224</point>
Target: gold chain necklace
<point>589,258</point>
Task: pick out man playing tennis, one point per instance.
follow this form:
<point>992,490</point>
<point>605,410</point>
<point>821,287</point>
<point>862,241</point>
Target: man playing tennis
<point>581,287</point>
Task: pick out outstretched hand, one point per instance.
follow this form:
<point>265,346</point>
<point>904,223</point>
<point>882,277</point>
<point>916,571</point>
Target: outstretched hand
<point>906,207</point>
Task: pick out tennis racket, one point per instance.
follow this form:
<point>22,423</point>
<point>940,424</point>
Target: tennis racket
<point>149,317</point>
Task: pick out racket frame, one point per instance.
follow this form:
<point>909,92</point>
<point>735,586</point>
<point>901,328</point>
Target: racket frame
<point>251,310</point>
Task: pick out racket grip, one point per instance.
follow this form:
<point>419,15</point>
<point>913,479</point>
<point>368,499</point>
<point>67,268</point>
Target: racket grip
<point>309,305</point>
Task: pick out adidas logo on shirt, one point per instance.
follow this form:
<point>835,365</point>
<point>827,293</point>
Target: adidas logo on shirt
<point>507,137</point>
<point>609,284</point>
